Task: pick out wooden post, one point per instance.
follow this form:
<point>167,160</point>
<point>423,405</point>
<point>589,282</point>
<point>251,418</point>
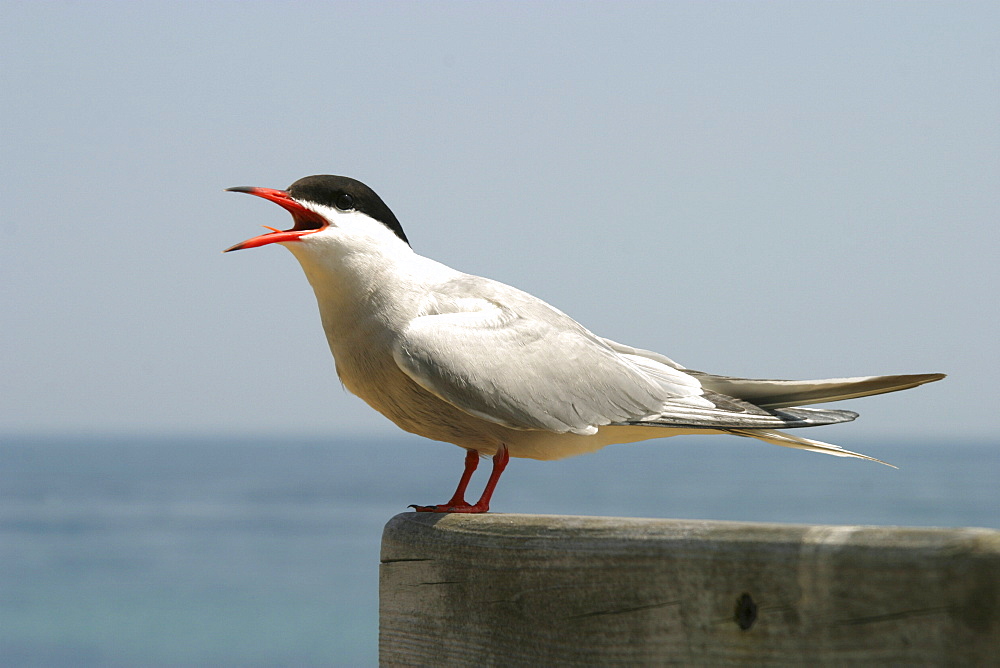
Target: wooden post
<point>555,591</point>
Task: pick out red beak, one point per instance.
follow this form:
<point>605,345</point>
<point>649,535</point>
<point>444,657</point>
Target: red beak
<point>306,220</point>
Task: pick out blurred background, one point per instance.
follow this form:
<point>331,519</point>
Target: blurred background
<point>769,189</point>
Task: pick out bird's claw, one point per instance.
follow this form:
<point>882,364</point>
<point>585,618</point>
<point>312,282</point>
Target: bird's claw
<point>451,508</point>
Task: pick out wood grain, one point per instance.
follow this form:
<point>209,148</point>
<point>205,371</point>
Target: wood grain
<point>458,590</point>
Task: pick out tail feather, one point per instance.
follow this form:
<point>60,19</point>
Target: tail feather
<point>787,440</point>
<point>786,393</point>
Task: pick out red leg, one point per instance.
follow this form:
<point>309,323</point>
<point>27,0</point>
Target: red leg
<point>500,460</point>
<point>471,462</point>
<point>458,504</point>
<point>458,498</point>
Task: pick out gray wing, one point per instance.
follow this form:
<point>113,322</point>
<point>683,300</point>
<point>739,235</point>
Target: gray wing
<point>784,393</point>
<point>507,357</point>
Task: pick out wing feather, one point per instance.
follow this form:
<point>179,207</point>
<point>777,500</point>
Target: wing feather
<point>524,373</point>
<point>512,359</point>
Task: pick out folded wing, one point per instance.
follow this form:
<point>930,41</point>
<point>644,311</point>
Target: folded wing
<point>782,393</point>
<point>785,393</point>
<point>516,361</point>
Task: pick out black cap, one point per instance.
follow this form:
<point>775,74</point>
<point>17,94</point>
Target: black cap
<point>345,193</point>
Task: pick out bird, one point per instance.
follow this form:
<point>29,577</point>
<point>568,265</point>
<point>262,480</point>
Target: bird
<point>471,361</point>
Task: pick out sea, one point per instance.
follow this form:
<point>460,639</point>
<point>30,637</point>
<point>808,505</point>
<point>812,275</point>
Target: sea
<point>211,551</point>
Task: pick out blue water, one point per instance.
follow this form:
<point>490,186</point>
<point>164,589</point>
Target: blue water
<point>212,552</point>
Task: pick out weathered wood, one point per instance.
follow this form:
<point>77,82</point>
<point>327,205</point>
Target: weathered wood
<point>551,590</point>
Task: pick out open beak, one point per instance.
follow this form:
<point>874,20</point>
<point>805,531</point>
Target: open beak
<point>306,221</point>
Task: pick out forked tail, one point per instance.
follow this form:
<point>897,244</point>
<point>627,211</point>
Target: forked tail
<point>789,441</point>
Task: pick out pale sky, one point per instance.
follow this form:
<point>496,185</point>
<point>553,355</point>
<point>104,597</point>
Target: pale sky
<point>785,190</point>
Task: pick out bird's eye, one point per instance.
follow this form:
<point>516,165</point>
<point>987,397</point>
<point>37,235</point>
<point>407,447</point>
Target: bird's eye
<point>345,202</point>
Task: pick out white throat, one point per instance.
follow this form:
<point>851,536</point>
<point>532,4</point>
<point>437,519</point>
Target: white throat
<point>362,273</point>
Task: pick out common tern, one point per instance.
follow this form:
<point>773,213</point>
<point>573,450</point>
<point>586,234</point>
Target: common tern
<point>470,361</point>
